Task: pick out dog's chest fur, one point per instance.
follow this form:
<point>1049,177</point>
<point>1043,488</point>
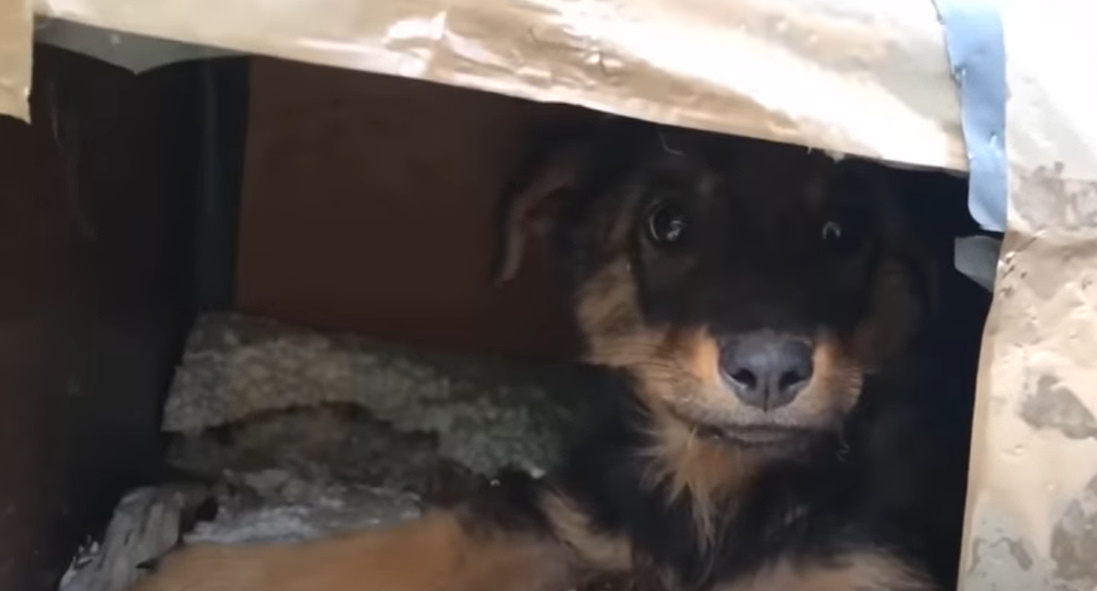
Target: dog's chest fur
<point>848,492</point>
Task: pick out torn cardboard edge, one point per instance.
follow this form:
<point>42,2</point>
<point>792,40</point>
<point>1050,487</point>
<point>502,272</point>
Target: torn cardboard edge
<point>16,34</point>
<point>136,53</point>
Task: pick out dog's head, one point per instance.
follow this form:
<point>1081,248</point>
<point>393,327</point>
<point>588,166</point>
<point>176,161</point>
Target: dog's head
<point>749,288</point>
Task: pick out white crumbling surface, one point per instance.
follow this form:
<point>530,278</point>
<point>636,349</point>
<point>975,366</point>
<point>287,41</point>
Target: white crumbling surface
<point>319,444</point>
<point>279,507</point>
<point>146,523</point>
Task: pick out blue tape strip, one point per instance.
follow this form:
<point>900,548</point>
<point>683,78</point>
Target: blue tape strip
<point>976,52</point>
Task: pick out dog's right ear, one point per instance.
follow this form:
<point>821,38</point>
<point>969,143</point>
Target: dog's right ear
<point>533,204</point>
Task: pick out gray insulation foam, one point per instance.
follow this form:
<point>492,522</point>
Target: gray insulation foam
<point>485,413</point>
<point>304,435</point>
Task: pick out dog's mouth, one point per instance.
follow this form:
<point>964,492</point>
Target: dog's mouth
<point>761,435</point>
<point>758,436</point>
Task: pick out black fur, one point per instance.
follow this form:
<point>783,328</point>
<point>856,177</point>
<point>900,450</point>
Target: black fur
<point>893,479</point>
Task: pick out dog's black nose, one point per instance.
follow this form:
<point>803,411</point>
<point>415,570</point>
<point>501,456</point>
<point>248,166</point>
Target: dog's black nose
<point>766,369</point>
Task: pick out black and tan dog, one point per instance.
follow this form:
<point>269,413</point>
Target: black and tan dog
<point>782,411</point>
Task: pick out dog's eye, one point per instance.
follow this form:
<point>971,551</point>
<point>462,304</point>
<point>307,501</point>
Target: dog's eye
<point>667,222</point>
<point>841,235</point>
<point>832,231</point>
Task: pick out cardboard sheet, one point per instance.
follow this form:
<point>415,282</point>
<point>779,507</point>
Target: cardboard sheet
<point>15,57</point>
<point>1032,510</point>
<point>854,76</point>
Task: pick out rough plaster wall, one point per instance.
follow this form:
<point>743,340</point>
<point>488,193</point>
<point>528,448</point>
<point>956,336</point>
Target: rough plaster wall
<point>1032,499</point>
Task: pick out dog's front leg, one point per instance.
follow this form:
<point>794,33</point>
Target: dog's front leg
<point>436,553</point>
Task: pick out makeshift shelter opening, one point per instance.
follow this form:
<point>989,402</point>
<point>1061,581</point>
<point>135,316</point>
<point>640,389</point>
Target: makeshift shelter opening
<point>178,189</point>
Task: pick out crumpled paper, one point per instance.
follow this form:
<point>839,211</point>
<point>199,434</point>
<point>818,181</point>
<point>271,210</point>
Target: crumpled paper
<point>853,76</point>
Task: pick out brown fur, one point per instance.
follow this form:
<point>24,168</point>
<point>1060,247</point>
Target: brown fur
<point>520,219</point>
<point>608,313</point>
<point>591,550</point>
<point>695,466</point>
<point>433,554</point>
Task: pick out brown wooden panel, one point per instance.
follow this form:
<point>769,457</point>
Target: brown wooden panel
<point>94,263</point>
<point>369,206</point>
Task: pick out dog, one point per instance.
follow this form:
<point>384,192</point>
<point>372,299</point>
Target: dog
<point>784,406</point>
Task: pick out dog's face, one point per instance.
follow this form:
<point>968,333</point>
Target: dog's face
<point>747,287</point>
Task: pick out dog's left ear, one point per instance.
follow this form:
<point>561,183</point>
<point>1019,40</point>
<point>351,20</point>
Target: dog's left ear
<point>533,204</point>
